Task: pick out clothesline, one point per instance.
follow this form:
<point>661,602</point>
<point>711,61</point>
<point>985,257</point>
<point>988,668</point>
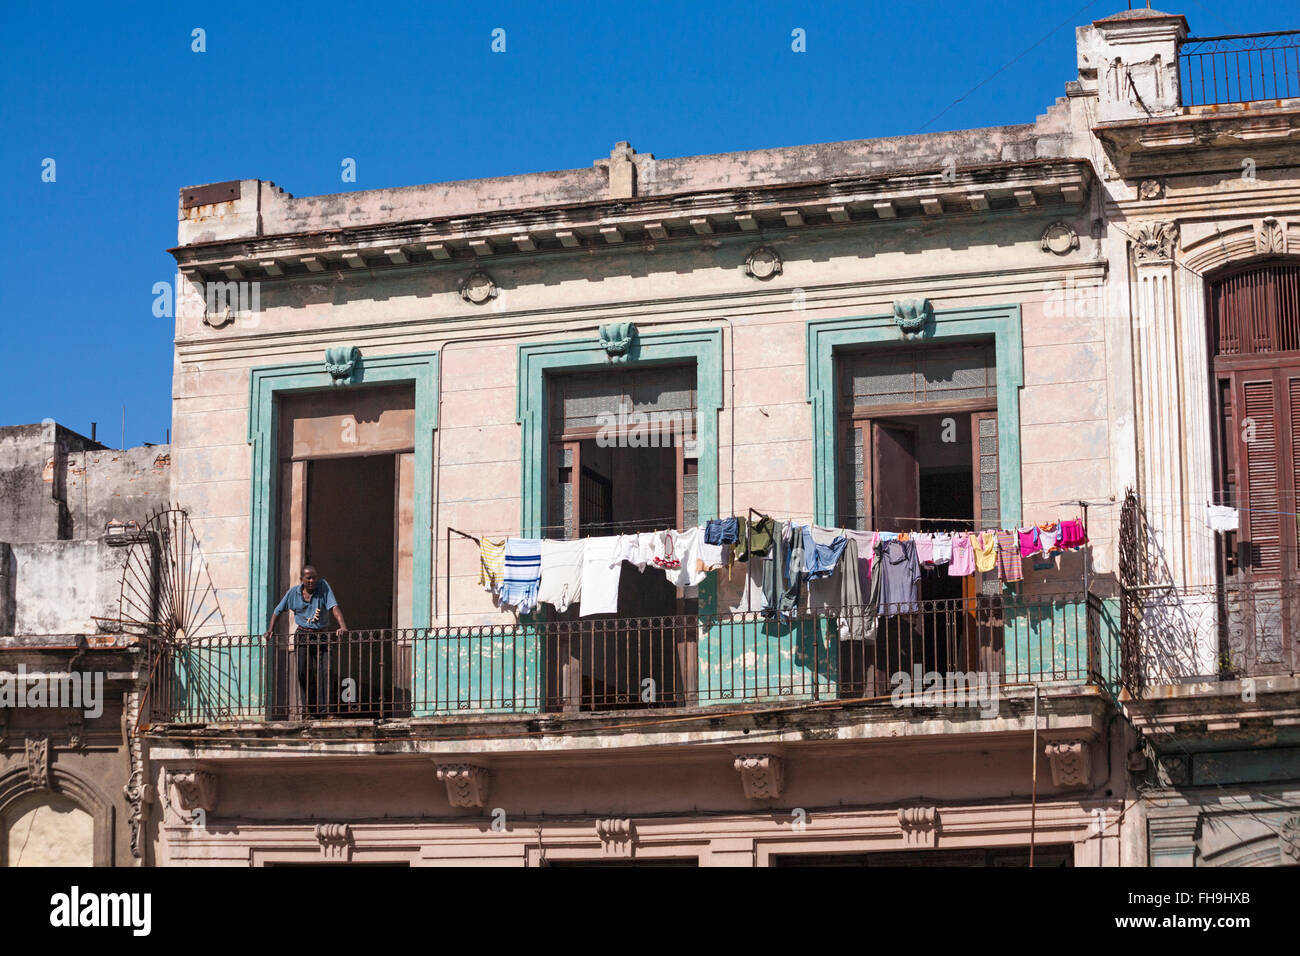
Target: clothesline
<point>810,518</point>
<point>522,573</point>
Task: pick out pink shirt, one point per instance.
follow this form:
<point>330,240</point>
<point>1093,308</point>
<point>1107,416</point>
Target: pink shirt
<point>963,556</point>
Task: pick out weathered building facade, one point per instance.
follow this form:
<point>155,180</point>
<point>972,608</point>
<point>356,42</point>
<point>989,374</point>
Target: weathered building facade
<point>71,768</point>
<point>1005,326</point>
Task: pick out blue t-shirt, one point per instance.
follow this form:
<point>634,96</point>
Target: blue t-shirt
<point>312,613</point>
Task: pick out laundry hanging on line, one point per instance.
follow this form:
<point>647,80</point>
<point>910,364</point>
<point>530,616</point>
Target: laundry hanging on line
<point>786,563</point>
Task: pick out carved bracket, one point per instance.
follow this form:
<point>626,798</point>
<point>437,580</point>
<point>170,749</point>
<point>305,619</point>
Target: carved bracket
<point>1270,237</point>
<point>190,790</point>
<point>467,783</point>
<point>1071,761</point>
<point>913,315</point>
<point>341,363</point>
<point>617,339</point>
<point>920,826</point>
<point>1155,242</point>
<point>617,837</point>
<point>335,841</point>
<point>38,762</point>
<point>763,774</point>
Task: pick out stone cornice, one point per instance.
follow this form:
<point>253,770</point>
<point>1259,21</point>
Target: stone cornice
<point>1029,186</point>
<point>1195,139</point>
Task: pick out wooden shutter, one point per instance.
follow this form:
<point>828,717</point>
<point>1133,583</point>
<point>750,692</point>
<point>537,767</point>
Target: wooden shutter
<point>1261,493</point>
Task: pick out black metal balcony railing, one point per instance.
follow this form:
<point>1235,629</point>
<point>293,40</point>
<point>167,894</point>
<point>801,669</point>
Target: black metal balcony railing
<point>1232,630</point>
<point>623,664</point>
<point>1240,69</point>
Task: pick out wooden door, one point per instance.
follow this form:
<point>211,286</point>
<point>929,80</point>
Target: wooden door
<point>896,477</point>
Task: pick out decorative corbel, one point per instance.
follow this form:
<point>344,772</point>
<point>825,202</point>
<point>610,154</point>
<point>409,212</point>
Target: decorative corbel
<point>617,339</point>
<point>1071,760</point>
<point>341,363</point>
<point>38,763</point>
<point>763,774</point>
<point>190,790</point>
<point>920,826</point>
<point>617,837</point>
<point>1155,242</point>
<point>336,842</point>
<point>467,783</point>
<point>913,315</point>
<point>1270,237</point>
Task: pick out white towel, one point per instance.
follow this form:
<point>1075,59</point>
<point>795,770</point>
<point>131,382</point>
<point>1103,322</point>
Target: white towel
<point>600,577</point>
<point>1222,518</point>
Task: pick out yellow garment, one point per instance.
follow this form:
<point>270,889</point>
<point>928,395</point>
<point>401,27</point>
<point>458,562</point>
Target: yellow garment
<point>491,563</point>
<point>986,550</point>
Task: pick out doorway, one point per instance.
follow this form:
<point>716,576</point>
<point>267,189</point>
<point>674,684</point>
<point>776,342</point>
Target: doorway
<point>346,507</point>
<point>622,460</point>
<point>918,452</point>
<point>350,534</point>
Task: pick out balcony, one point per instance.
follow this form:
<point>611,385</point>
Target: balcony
<point>1250,628</point>
<point>1247,68</point>
<point>600,666</point>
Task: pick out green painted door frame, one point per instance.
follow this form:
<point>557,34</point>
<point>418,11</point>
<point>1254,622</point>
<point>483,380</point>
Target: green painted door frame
<point>703,347</point>
<point>267,384</point>
<point>825,336</point>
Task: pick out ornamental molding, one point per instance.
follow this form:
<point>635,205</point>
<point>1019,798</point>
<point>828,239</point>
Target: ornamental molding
<point>1155,241</point>
<point>336,841</point>
<point>341,363</point>
<point>1059,238</point>
<point>190,790</point>
<point>1071,761</point>
<point>1270,237</point>
<point>913,316</point>
<point>467,783</point>
<point>1288,841</point>
<point>477,288</point>
<point>763,263</point>
<point>618,340</point>
<point>920,826</point>
<point>38,762</point>
<point>762,774</point>
<point>371,251</point>
<point>617,837</point>
<point>1150,189</point>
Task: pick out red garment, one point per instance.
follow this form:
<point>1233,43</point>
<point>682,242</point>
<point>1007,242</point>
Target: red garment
<point>1072,535</point>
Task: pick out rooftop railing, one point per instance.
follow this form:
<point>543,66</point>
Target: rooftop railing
<point>1244,68</point>
<point>600,665</point>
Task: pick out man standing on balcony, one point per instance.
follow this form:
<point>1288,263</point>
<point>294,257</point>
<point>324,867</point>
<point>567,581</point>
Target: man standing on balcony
<point>311,603</point>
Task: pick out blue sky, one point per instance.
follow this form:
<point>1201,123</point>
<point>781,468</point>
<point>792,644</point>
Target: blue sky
<point>130,114</point>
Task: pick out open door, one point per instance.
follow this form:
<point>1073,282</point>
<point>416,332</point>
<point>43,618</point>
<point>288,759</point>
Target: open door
<point>896,477</point>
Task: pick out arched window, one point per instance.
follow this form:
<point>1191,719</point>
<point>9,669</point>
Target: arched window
<point>47,829</point>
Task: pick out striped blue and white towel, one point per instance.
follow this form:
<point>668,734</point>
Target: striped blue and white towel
<point>523,574</point>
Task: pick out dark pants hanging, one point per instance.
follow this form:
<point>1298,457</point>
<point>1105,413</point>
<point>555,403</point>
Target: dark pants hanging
<point>314,672</point>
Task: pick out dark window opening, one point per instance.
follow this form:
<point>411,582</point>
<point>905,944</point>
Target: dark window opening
<point>622,460</point>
